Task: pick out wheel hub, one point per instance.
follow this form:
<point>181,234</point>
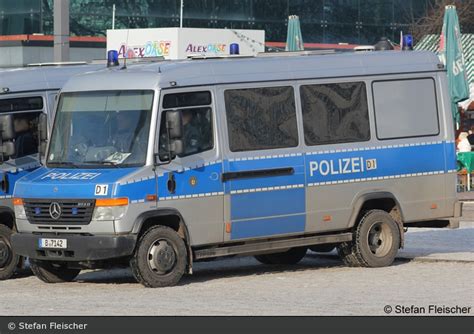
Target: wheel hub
<point>161,257</point>
<point>5,253</point>
<point>380,239</point>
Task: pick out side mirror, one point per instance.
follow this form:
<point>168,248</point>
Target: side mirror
<point>174,124</point>
<point>7,134</point>
<point>43,127</point>
<point>6,127</point>
<point>176,147</point>
<point>42,135</point>
<point>8,149</point>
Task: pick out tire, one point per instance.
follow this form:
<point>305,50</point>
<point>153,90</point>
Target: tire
<point>53,272</point>
<point>291,256</point>
<point>324,248</point>
<point>160,258</point>
<point>8,259</point>
<point>375,241</point>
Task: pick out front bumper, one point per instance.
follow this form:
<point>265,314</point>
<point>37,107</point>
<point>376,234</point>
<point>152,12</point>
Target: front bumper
<point>79,247</point>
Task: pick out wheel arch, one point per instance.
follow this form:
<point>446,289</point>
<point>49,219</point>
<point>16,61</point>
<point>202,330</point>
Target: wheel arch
<point>381,200</point>
<point>7,218</point>
<point>169,217</point>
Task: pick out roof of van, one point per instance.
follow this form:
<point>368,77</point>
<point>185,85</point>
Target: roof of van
<point>180,73</point>
<point>24,79</point>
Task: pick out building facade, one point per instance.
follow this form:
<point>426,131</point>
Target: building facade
<point>322,21</point>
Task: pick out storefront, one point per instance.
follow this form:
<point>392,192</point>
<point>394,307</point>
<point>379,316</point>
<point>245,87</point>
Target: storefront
<point>176,43</point>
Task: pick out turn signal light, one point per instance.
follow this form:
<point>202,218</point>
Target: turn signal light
<point>150,198</point>
<point>111,202</point>
<point>18,201</point>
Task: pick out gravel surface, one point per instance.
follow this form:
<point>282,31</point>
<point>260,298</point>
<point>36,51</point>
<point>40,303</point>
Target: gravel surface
<point>435,268</point>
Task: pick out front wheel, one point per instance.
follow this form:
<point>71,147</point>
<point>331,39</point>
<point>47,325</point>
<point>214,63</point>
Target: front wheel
<point>160,258</point>
<point>375,242</point>
<point>53,272</point>
<point>8,260</point>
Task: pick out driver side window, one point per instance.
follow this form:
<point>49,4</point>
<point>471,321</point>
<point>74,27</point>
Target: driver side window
<point>197,116</point>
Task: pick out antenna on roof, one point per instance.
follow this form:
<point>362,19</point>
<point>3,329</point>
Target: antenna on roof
<point>126,52</point>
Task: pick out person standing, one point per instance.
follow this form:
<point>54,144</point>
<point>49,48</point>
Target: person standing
<point>463,143</point>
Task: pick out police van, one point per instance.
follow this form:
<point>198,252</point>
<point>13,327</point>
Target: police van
<point>26,94</point>
<point>160,165</point>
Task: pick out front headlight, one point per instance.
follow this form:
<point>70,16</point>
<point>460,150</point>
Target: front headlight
<point>19,208</point>
<point>110,208</point>
<point>109,212</point>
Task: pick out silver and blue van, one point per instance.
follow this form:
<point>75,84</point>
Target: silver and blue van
<point>162,164</point>
<point>26,95</point>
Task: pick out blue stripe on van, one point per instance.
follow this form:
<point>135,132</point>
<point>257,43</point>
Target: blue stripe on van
<point>267,226</point>
<point>12,178</point>
<point>296,162</point>
<point>390,162</point>
<point>204,179</point>
<point>136,191</point>
<point>451,162</point>
<point>268,203</point>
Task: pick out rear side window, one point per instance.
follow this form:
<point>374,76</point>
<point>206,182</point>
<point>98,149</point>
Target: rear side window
<point>335,113</point>
<point>405,108</point>
<point>261,118</point>
<point>21,104</point>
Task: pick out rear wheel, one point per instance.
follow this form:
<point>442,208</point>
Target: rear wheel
<point>291,256</point>
<point>53,272</point>
<point>375,242</point>
<point>160,258</point>
<point>8,260</point>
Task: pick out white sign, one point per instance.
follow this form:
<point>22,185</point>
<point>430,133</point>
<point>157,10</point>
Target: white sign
<point>179,43</point>
<point>101,189</point>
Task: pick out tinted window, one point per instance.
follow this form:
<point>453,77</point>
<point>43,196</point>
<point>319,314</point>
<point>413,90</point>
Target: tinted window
<point>405,108</point>
<point>335,113</point>
<point>261,118</point>
<point>186,100</point>
<point>21,104</point>
<point>197,123</point>
<point>26,133</point>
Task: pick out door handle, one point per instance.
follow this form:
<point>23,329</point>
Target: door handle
<point>248,174</point>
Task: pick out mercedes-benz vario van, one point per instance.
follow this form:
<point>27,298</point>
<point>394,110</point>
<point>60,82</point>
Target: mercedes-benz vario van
<point>26,94</point>
<point>159,165</point>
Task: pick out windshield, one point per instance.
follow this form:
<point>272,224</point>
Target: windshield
<point>105,128</point>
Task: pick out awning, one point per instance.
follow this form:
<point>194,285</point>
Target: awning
<point>431,43</point>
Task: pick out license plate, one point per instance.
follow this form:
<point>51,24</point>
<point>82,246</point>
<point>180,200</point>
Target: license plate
<point>53,243</point>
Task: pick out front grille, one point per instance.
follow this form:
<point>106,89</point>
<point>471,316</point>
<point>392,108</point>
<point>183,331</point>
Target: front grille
<point>73,212</point>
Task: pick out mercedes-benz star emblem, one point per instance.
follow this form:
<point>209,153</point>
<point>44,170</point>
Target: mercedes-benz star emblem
<point>55,210</point>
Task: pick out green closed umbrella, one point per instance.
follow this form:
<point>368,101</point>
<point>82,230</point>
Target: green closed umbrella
<point>294,39</point>
<point>451,54</point>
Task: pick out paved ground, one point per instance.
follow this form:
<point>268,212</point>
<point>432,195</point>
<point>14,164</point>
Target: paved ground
<point>435,268</point>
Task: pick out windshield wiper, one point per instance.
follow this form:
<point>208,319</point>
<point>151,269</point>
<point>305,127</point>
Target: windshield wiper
<point>63,164</point>
<point>109,163</point>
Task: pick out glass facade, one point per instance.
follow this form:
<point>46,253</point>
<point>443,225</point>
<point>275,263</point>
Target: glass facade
<point>322,21</point>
